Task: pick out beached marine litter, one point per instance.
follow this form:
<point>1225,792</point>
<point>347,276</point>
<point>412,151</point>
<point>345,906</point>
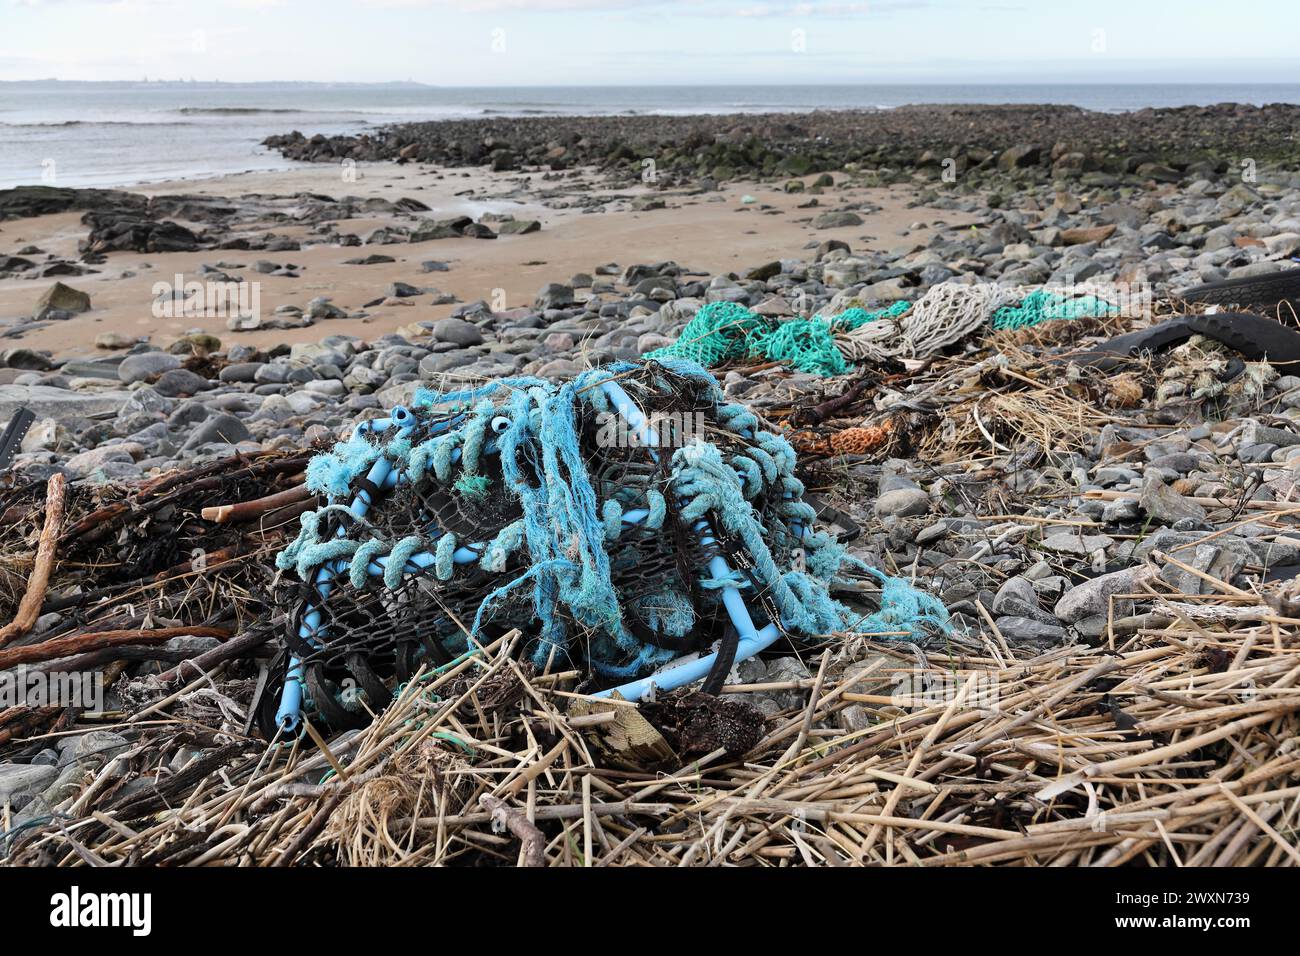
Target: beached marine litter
<point>1105,535</point>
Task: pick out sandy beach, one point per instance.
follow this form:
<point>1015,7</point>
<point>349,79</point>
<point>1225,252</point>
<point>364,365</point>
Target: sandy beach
<point>727,230</point>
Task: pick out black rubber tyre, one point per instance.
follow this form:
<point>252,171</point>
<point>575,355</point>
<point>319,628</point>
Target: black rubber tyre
<point>268,704</point>
<point>378,696</point>
<point>1111,354</point>
<point>1257,293</point>
<point>1257,338</point>
<point>323,694</point>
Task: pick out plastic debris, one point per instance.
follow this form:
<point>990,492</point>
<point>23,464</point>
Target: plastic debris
<point>618,521</point>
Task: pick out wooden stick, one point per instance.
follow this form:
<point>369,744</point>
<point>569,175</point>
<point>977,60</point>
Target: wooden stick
<point>29,608</point>
<point>79,643</point>
<point>533,841</point>
<point>248,510</point>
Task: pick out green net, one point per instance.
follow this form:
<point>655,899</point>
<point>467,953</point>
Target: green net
<point>726,331</point>
<point>718,332</point>
<point>1043,306</point>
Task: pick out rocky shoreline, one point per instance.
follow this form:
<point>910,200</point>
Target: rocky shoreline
<point>1035,142</point>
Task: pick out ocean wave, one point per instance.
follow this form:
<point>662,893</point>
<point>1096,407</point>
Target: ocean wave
<point>255,110</point>
<point>59,124</point>
<point>509,111</point>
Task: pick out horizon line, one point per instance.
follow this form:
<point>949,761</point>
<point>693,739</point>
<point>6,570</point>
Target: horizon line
<point>956,80</point>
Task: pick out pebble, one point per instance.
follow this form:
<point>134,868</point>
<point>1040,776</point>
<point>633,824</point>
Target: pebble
<point>218,428</point>
<point>1091,597</point>
<point>146,366</point>
<point>457,332</point>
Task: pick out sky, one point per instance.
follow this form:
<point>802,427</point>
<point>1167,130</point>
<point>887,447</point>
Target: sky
<point>652,42</point>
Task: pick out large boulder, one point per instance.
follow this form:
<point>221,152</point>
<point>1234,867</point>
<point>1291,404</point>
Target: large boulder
<point>61,298</point>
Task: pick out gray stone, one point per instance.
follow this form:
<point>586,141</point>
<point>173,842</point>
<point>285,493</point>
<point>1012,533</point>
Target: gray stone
<point>1092,597</point>
<point>26,359</point>
<point>113,340</point>
<point>902,502</point>
<point>24,780</point>
<point>1162,503</point>
<point>180,381</point>
<point>553,295</point>
<point>239,372</point>
<point>323,308</point>
<point>1019,156</point>
<point>931,533</point>
<point>837,220</point>
<point>272,373</point>
<point>457,332</point>
<point>145,401</point>
<point>1016,588</point>
<point>88,462</point>
<point>326,387</point>
<point>1029,629</point>
<point>60,405</point>
<point>61,298</point>
<point>1217,562</point>
<point>218,428</point>
<point>1120,510</point>
<point>1256,434</point>
<point>97,746</point>
<point>1015,607</point>
<point>146,366</point>
<point>1071,542</point>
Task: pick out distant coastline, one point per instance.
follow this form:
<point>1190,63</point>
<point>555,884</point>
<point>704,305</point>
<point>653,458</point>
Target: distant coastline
<point>129,133</point>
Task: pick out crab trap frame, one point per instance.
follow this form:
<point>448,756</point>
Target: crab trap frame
<point>623,521</point>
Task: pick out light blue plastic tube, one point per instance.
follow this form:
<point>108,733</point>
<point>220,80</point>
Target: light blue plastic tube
<point>289,714</point>
<point>698,669</point>
<point>751,640</point>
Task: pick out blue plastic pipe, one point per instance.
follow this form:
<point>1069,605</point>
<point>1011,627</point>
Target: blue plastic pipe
<point>752,640</point>
<point>289,714</point>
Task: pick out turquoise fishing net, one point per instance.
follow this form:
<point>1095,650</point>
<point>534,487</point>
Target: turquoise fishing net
<point>726,331</point>
<point>511,509</point>
<point>1044,306</point>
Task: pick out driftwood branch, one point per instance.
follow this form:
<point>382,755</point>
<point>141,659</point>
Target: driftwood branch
<point>168,488</point>
<point>518,824</point>
<point>249,510</point>
<point>205,662</point>
<point>81,643</point>
<point>30,606</point>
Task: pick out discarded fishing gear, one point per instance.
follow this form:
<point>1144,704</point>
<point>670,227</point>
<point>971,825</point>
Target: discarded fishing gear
<point>727,331</point>
<point>826,345</point>
<point>619,521</point>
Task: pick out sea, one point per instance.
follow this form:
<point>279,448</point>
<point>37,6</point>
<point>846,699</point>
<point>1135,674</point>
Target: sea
<point>124,134</point>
